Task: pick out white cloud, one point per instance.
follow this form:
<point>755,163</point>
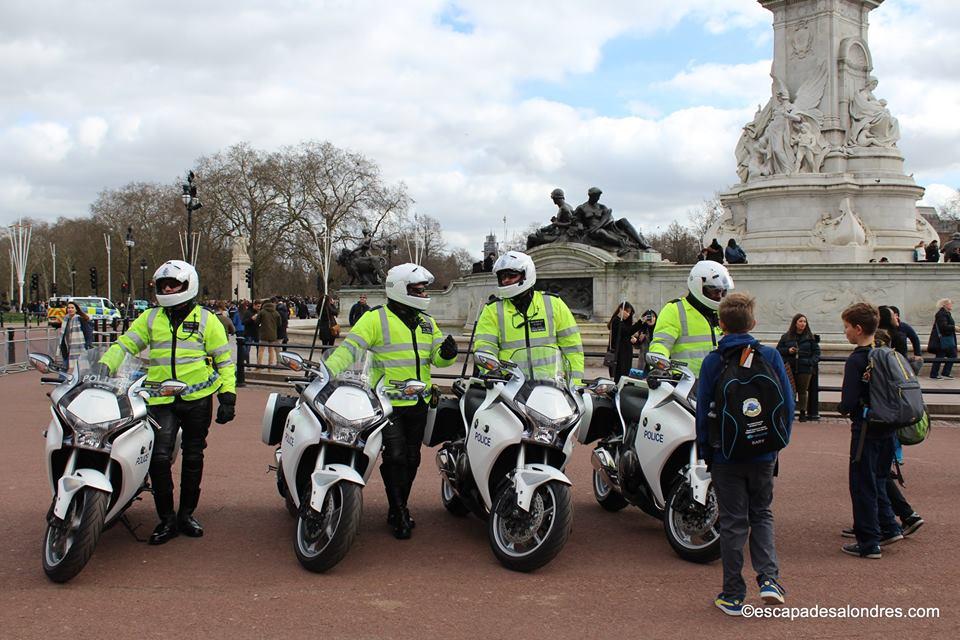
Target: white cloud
<point>88,96</point>
<point>938,195</point>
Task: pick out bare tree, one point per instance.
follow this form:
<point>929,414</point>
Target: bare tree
<point>704,217</point>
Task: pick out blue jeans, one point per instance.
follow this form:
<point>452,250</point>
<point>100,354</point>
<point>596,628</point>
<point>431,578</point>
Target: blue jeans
<point>873,517</point>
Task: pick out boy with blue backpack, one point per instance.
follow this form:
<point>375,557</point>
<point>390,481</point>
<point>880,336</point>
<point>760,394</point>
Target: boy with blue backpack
<point>743,420</point>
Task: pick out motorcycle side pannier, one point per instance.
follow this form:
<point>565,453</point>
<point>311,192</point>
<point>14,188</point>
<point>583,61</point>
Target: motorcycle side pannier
<point>444,424</point>
<point>275,416</point>
<point>604,421</point>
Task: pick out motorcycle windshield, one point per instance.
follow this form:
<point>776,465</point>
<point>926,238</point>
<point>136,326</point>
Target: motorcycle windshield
<point>130,370</point>
<point>540,364</point>
<point>358,372</point>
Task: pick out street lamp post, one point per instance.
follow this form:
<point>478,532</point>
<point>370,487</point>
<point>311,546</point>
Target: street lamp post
<point>192,203</point>
<point>130,244</point>
<point>73,280</point>
<point>143,278</point>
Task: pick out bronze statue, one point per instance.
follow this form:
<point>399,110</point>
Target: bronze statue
<point>363,268</point>
<point>590,223</point>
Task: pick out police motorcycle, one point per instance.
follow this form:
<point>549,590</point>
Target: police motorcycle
<point>646,454</point>
<point>505,440</point>
<point>329,438</point>
<point>98,447</point>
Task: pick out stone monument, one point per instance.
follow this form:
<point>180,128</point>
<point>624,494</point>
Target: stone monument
<point>239,263</point>
<point>822,179</point>
<point>363,267</point>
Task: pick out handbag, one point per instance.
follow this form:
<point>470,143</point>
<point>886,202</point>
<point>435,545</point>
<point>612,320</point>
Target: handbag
<point>335,330</point>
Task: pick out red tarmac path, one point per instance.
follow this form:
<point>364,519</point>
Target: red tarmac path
<point>616,578</point>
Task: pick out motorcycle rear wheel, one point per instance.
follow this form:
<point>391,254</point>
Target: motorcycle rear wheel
<point>700,544</point>
<point>524,541</point>
<point>323,539</point>
<point>451,501</point>
<point>606,496</point>
<point>67,548</point>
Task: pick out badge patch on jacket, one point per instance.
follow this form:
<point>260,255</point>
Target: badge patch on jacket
<point>426,327</point>
<point>191,326</point>
<point>538,325</point>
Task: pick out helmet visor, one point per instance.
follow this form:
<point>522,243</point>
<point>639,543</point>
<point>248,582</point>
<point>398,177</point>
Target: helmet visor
<point>417,289</point>
<point>714,293</point>
<point>167,286</point>
<point>506,277</point>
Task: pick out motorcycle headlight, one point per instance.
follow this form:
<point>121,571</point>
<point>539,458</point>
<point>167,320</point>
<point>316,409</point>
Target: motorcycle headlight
<point>93,436</point>
<point>544,430</point>
<point>341,429</point>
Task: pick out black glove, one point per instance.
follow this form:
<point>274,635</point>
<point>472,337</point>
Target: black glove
<point>448,349</point>
<point>227,409</point>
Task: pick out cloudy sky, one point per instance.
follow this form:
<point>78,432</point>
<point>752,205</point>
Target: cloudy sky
<point>480,106</point>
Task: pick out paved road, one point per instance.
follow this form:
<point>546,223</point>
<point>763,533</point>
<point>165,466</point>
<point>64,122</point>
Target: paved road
<point>617,577</point>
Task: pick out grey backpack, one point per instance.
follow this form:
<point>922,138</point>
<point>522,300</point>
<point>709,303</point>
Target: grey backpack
<point>895,396</point>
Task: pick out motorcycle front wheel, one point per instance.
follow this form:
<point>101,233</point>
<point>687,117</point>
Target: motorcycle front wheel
<point>68,545</point>
<point>323,538</point>
<point>691,528</point>
<point>524,541</point>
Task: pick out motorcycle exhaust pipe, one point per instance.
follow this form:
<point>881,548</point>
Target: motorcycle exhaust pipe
<point>602,461</point>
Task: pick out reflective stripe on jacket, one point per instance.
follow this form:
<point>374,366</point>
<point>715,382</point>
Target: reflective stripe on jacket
<point>683,333</point>
<point>399,353</point>
<point>198,354</point>
<point>502,329</point>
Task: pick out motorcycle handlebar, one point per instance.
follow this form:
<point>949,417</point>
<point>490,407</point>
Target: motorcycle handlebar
<point>51,379</point>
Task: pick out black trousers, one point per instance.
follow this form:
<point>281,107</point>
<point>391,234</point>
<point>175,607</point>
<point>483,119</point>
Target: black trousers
<point>192,417</point>
<point>402,438</point>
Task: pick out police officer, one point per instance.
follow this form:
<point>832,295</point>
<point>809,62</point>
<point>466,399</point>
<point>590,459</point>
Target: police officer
<point>405,342</point>
<point>687,328</point>
<point>186,342</point>
<point>521,317</point>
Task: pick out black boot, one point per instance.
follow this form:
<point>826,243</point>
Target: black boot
<point>402,528</point>
<point>803,416</point>
<point>165,531</point>
<point>190,477</point>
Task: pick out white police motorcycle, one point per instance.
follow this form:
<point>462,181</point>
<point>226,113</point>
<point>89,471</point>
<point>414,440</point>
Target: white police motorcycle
<point>506,440</point>
<point>329,439</point>
<point>98,447</point>
<point>646,454</point>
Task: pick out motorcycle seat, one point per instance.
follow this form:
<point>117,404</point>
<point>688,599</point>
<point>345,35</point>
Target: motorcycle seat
<point>474,398</point>
<point>632,399</point>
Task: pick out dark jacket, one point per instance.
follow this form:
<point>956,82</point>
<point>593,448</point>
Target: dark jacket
<point>933,253</point>
<point>714,252</point>
<point>251,325</point>
<point>710,372</point>
<point>808,352</point>
<point>911,335</point>
<point>357,310</point>
<point>855,391</point>
<point>619,341</point>
<point>735,254</point>
<point>951,250</point>
<point>943,326</point>
<point>269,323</point>
<point>284,312</point>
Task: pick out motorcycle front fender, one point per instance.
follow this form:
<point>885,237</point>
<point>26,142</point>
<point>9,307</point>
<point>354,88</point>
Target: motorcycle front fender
<point>698,477</point>
<point>531,476</point>
<point>323,479</point>
<point>70,484</point>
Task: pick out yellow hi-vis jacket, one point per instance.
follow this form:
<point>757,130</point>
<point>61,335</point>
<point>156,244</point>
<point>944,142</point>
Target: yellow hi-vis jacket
<point>502,329</point>
<point>683,333</point>
<point>399,353</point>
<point>197,354</point>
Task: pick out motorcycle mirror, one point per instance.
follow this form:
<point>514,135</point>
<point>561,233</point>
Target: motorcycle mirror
<point>486,362</point>
<point>292,361</point>
<point>172,388</point>
<point>658,361</point>
<point>42,362</point>
<point>413,388</point>
<point>601,387</point>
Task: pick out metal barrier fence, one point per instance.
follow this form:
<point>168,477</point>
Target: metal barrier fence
<point>18,341</point>
<point>812,409</point>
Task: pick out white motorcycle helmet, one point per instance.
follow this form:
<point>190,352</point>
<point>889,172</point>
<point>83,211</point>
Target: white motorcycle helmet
<point>407,284</point>
<point>186,277</point>
<point>709,282</point>
<point>512,263</point>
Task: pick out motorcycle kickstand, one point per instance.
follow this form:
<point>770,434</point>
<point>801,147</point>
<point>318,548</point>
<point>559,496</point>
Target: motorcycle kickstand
<point>131,528</point>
